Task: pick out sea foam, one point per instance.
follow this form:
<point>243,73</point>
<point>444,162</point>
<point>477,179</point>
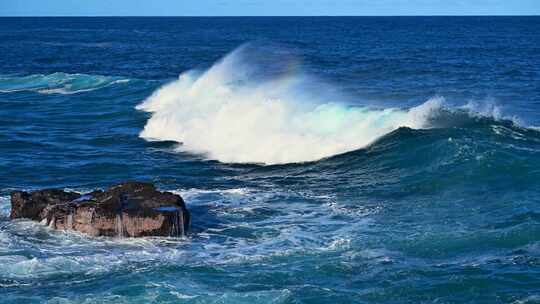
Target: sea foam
<point>57,83</point>
<point>231,114</point>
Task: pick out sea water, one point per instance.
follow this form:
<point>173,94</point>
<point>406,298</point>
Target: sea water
<point>323,160</point>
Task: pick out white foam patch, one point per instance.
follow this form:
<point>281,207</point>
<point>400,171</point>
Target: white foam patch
<point>5,206</point>
<point>247,233</point>
<point>230,115</point>
<point>204,196</point>
<point>490,109</point>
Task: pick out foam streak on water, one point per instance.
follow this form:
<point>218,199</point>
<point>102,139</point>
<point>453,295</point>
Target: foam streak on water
<point>57,83</point>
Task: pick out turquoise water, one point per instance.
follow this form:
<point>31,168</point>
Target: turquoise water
<point>344,160</point>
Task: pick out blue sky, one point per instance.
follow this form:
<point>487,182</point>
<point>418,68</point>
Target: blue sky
<point>265,7</point>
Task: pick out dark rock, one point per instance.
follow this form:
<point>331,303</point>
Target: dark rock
<point>30,205</point>
<point>131,209</point>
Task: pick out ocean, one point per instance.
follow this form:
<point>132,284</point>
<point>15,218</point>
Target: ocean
<point>323,159</point>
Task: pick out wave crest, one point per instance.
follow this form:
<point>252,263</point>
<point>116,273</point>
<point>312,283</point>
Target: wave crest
<point>231,114</point>
<point>253,107</point>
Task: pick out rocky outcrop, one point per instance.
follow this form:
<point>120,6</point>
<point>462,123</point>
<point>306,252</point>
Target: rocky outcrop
<point>131,209</point>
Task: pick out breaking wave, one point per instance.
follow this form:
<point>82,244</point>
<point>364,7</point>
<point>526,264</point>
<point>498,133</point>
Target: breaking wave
<point>57,83</point>
<point>241,111</point>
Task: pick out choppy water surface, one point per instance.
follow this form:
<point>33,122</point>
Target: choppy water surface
<point>344,160</point>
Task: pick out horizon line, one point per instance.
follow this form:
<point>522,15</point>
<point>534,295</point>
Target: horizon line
<point>257,16</point>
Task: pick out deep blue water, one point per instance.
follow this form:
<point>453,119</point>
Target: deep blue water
<point>445,210</point>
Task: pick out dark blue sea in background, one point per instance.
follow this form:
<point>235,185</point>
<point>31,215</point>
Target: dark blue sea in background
<point>445,210</point>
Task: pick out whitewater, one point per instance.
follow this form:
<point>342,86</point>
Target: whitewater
<point>231,114</point>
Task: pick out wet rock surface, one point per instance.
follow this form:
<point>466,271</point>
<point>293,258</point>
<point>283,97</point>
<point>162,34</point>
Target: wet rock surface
<point>131,209</point>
